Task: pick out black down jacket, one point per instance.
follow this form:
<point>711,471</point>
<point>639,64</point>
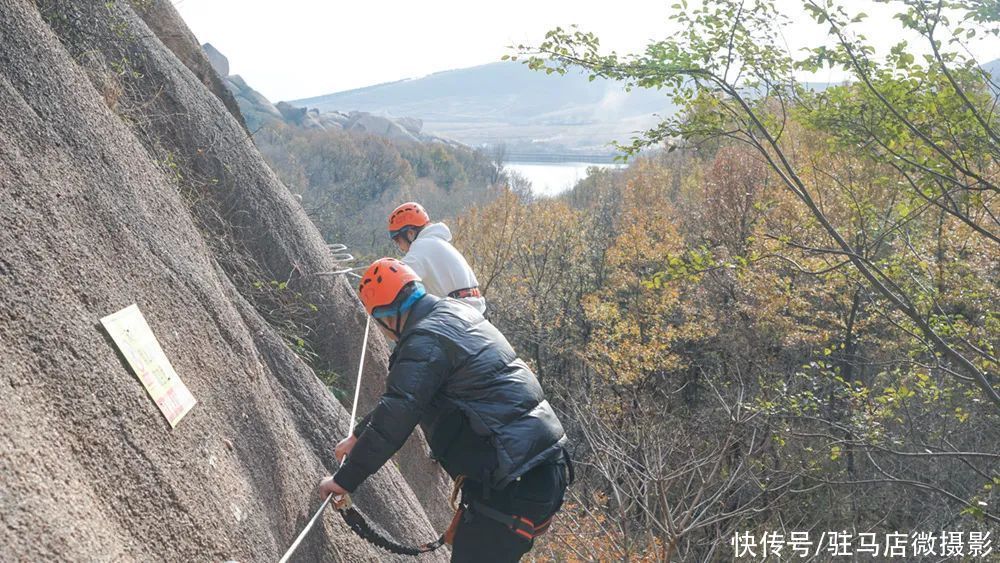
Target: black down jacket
<point>481,408</point>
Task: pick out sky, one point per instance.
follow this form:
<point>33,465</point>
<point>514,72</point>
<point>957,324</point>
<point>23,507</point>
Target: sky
<point>292,49</point>
<point>299,48</point>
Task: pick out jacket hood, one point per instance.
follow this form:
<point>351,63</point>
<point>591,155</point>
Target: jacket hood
<point>436,230</point>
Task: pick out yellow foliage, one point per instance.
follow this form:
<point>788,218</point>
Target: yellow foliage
<point>635,326</point>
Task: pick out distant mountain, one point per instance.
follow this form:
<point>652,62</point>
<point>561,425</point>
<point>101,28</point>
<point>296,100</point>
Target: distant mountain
<point>508,102</point>
<point>533,113</point>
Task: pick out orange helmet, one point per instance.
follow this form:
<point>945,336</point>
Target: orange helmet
<point>389,287</point>
<point>410,214</point>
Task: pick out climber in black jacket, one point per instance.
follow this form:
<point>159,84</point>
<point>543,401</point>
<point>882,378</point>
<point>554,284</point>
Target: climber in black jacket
<point>481,408</point>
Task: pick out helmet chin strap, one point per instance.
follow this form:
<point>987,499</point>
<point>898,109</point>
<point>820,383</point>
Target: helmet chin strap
<point>398,329</point>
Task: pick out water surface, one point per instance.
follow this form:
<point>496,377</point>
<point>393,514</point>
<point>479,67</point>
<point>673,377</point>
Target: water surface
<point>551,179</point>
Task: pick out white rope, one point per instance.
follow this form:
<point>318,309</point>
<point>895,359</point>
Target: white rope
<point>350,432</point>
<point>305,530</point>
<point>361,368</point>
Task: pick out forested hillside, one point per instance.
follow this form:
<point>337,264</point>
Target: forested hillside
<point>350,168</point>
<point>776,329</point>
<point>350,181</point>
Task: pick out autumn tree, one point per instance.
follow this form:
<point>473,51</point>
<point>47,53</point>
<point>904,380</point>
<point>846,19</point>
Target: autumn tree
<point>729,71</point>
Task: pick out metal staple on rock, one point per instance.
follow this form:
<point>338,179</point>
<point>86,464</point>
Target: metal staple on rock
<point>341,256</point>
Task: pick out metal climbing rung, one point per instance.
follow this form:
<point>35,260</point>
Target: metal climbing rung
<point>340,255</point>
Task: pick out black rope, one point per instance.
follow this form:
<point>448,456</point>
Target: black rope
<point>361,527</point>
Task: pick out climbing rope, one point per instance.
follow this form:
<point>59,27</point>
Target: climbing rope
<point>339,255</point>
<point>305,530</point>
<point>357,384</point>
<point>351,516</point>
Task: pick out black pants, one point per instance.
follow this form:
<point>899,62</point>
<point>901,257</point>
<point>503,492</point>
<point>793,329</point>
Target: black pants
<point>536,496</point>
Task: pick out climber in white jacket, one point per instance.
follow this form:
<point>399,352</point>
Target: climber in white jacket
<point>429,252</point>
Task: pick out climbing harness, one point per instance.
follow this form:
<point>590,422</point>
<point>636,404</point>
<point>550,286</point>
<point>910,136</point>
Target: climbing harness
<point>520,525</point>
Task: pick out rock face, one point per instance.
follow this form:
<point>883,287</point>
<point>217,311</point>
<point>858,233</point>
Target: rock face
<point>127,177</point>
<point>218,61</point>
<point>168,26</point>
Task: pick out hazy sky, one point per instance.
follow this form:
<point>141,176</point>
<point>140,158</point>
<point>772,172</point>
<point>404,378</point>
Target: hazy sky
<point>293,49</point>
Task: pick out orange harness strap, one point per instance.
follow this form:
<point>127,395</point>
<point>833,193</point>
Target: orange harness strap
<point>520,525</point>
<point>465,293</point>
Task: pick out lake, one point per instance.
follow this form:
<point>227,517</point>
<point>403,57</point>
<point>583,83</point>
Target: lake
<point>551,179</point>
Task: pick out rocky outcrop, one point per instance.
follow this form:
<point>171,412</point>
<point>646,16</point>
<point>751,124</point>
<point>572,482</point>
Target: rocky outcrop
<point>330,119</point>
<point>218,61</point>
<point>255,108</point>
<point>301,117</point>
<point>411,124</point>
<point>126,178</point>
<point>381,126</point>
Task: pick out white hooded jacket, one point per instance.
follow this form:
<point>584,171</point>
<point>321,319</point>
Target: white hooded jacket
<point>442,268</point>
